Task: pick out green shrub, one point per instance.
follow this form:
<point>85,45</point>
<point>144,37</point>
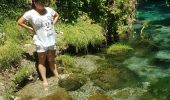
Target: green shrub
<point>66,60</point>
<point>22,74</point>
<point>82,33</point>
<point>10,54</point>
<point>119,49</point>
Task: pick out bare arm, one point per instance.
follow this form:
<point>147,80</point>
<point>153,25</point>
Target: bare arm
<point>22,21</point>
<point>56,17</point>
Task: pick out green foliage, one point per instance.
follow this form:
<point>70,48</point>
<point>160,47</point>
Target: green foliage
<point>119,49</point>
<point>22,74</point>
<point>124,11</point>
<point>68,9</point>
<point>82,33</point>
<point>11,9</point>
<point>14,32</point>
<point>7,97</point>
<point>66,60</point>
<point>10,54</point>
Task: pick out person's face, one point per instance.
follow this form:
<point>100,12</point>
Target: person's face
<point>39,6</point>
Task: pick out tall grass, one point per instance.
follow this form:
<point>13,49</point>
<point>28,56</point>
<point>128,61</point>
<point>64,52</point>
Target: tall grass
<point>11,50</point>
<point>66,60</point>
<point>14,32</point>
<point>10,55</point>
<point>82,33</point>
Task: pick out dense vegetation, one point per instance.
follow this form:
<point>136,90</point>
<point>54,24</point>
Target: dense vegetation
<point>84,25</point>
<point>83,22</point>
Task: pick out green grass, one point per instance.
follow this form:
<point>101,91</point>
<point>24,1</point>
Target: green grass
<point>22,74</point>
<point>66,60</point>
<point>11,49</point>
<point>81,34</point>
<point>119,49</point>
<point>14,32</point>
<point>10,54</point>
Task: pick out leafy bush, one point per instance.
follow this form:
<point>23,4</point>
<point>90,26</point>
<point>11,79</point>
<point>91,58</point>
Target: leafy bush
<point>119,49</point>
<point>10,54</point>
<point>66,60</point>
<point>12,9</point>
<point>82,33</point>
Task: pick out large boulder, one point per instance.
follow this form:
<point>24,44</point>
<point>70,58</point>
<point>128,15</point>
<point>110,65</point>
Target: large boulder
<point>38,91</point>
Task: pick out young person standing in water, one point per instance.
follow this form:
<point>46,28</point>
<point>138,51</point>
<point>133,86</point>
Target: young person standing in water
<point>42,19</point>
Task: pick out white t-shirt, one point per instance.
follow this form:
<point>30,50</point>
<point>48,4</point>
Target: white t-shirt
<point>43,25</point>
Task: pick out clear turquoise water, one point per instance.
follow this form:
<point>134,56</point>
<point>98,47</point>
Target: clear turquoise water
<point>154,66</point>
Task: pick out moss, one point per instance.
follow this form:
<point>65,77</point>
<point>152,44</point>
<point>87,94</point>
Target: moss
<point>99,96</point>
<point>59,94</point>
<point>117,49</point>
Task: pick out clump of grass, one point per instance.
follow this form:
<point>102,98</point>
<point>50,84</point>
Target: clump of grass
<point>66,60</point>
<point>10,54</point>
<point>23,73</point>
<point>82,33</point>
<point>14,32</point>
<point>119,49</point>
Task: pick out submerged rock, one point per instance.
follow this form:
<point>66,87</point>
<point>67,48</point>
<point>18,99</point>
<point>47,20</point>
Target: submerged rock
<point>72,83</point>
<point>128,93</point>
<point>142,67</point>
<point>114,78</point>
<point>87,63</point>
<point>85,91</point>
<point>163,55</point>
<point>59,94</point>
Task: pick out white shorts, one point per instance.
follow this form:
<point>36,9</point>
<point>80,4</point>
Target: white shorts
<point>44,49</point>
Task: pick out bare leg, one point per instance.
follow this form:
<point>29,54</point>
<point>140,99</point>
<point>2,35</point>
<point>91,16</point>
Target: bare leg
<point>51,59</point>
<point>41,67</point>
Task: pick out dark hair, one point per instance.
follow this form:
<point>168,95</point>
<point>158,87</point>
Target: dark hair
<point>35,1</point>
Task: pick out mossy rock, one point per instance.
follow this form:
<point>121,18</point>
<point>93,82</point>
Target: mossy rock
<point>37,89</point>
<point>59,94</point>
<point>114,78</point>
<point>73,82</point>
<point>99,96</point>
